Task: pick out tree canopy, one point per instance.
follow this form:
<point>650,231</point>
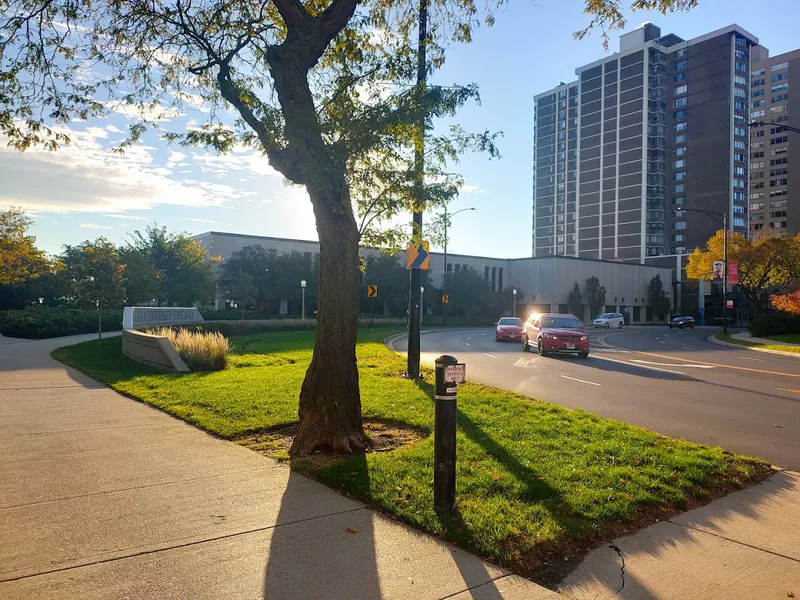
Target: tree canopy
<point>20,260</point>
<point>767,265</point>
<point>595,295</point>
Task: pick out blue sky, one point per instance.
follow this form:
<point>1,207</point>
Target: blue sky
<point>84,191</point>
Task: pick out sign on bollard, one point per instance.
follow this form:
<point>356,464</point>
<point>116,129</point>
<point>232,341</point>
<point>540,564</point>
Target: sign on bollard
<point>449,373</point>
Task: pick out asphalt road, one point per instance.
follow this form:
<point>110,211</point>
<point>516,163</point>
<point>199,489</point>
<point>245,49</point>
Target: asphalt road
<point>674,382</point>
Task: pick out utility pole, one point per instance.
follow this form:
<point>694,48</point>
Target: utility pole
<point>419,168</point>
<point>725,274</point>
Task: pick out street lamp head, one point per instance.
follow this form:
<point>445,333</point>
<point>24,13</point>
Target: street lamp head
<point>302,283</point>
<point>514,291</point>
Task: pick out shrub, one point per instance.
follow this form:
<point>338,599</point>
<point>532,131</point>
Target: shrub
<point>778,323</point>
<point>41,322</point>
<point>200,350</point>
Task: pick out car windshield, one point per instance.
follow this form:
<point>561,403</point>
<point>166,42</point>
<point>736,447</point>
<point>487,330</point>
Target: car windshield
<point>604,316</point>
<point>510,322</point>
<point>565,322</point>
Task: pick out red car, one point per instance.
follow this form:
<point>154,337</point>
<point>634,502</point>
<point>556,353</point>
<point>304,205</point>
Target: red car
<point>550,333</point>
<point>508,328</point>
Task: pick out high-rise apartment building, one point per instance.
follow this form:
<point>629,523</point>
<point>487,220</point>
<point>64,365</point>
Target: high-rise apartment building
<point>624,153</point>
<point>774,168</point>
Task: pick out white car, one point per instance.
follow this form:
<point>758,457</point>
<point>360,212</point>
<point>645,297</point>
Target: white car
<point>609,320</point>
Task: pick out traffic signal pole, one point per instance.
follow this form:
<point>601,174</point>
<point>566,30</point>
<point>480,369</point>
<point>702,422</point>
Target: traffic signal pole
<point>415,298</point>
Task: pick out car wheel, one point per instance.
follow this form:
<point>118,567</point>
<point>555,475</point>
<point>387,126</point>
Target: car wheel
<point>620,324</point>
<point>670,325</point>
<point>682,326</point>
<point>525,346</point>
<point>583,354</point>
<point>608,325</point>
<point>540,348</point>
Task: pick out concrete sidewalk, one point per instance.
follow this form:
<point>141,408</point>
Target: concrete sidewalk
<point>104,497</point>
<point>741,547</point>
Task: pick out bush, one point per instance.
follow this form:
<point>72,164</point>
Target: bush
<point>778,323</point>
<point>41,322</point>
<point>236,315</point>
<point>200,350</point>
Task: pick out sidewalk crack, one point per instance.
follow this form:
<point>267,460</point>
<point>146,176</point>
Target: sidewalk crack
<point>616,549</point>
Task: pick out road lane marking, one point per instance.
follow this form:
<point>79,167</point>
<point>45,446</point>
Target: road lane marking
<point>660,342</point>
<point>689,360</point>
<point>489,355</point>
<point>580,380</point>
<point>627,364</point>
<point>748,358</point>
<point>467,343</point>
<point>648,362</point>
<point>687,348</point>
<point>788,390</point>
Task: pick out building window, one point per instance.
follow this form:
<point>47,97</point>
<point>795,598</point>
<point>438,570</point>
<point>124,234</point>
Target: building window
<point>680,139</point>
<point>681,89</point>
<point>485,272</point>
<point>739,183</point>
<point>779,77</point>
<point>778,172</point>
<point>757,103</point>
<point>758,113</point>
<point>678,188</point>
<point>680,102</point>
<point>777,182</point>
<point>681,64</point>
<point>500,279</point>
<point>778,67</point>
<point>678,200</point>
<point>779,140</point>
<point>682,52</point>
<point>757,175</point>
<point>739,80</point>
<point>679,164</point>
<point>739,209</point>
<point>778,161</point>
<point>680,151</point>
<point>739,171</point>
<point>740,41</point>
<point>778,151</point>
<point>741,55</point>
<point>756,206</point>
<point>680,176</point>
<point>679,127</point>
<point>778,109</point>
<point>739,93</point>
<point>680,114</point>
<point>739,222</point>
<point>777,99</point>
<point>778,203</point>
<point>679,214</point>
<point>741,67</point>
<point>740,131</point>
<point>779,88</point>
<point>758,73</point>
<point>679,225</point>
<point>777,193</point>
<point>739,144</point>
<point>679,237</point>
<point>759,154</point>
<point>758,82</point>
<point>739,105</point>
<point>758,185</point>
<point>680,77</point>
<point>738,156</point>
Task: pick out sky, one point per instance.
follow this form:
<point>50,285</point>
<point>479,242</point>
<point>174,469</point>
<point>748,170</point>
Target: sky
<point>84,191</point>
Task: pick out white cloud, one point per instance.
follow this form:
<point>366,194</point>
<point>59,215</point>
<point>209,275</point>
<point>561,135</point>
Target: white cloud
<point>87,177</point>
<point>122,216</point>
<point>157,114</point>
<point>472,189</point>
<point>223,164</point>
<point>203,221</point>
<point>95,226</point>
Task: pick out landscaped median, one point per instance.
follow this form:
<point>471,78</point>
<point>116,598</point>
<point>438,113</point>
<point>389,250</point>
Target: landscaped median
<point>538,484</point>
<point>777,346</point>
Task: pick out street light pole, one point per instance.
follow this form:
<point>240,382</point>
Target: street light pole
<point>446,274</point>
<point>515,302</point>
<point>725,274</point>
<point>303,309</point>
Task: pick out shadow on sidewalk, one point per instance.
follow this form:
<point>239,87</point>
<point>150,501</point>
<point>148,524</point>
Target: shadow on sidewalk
<point>321,558</point>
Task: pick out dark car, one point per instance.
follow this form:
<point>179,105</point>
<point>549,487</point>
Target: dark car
<point>682,322</point>
<point>508,328</point>
<point>551,333</point>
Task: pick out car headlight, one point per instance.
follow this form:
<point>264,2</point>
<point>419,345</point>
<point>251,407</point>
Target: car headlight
<point>584,338</point>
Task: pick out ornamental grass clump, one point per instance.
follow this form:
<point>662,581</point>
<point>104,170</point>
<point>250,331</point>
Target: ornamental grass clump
<point>200,350</point>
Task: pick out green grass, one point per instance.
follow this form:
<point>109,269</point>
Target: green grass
<point>781,347</point>
<point>531,475</point>
<point>790,338</point>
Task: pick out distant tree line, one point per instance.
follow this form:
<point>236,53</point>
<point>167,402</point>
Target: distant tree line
<point>153,267</point>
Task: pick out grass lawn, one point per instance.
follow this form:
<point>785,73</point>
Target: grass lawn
<point>533,478</point>
<point>781,338</point>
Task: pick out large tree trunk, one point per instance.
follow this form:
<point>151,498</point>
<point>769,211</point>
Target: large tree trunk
<point>330,401</point>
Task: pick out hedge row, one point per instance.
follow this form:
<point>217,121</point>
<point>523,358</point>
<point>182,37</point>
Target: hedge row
<point>47,322</point>
<point>778,323</point>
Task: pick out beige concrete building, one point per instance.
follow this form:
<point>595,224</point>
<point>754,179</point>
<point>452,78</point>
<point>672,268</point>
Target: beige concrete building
<point>774,165</point>
<point>545,281</point>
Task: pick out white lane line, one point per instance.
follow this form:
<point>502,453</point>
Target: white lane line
<point>580,380</point>
<point>748,358</point>
<point>648,362</point>
<point>467,343</point>
<point>484,334</point>
<point>687,348</point>
<point>489,355</point>
<point>660,342</point>
<point>622,362</point>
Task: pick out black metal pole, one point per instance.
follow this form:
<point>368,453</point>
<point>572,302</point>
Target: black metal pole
<point>444,438</point>
<point>419,166</point>
<point>725,274</point>
<point>372,323</point>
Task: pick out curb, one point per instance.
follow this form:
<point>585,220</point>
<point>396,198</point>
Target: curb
<point>717,342</point>
<point>390,340</point>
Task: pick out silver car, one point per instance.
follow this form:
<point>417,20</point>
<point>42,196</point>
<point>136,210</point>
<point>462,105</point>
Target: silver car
<point>609,320</point>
